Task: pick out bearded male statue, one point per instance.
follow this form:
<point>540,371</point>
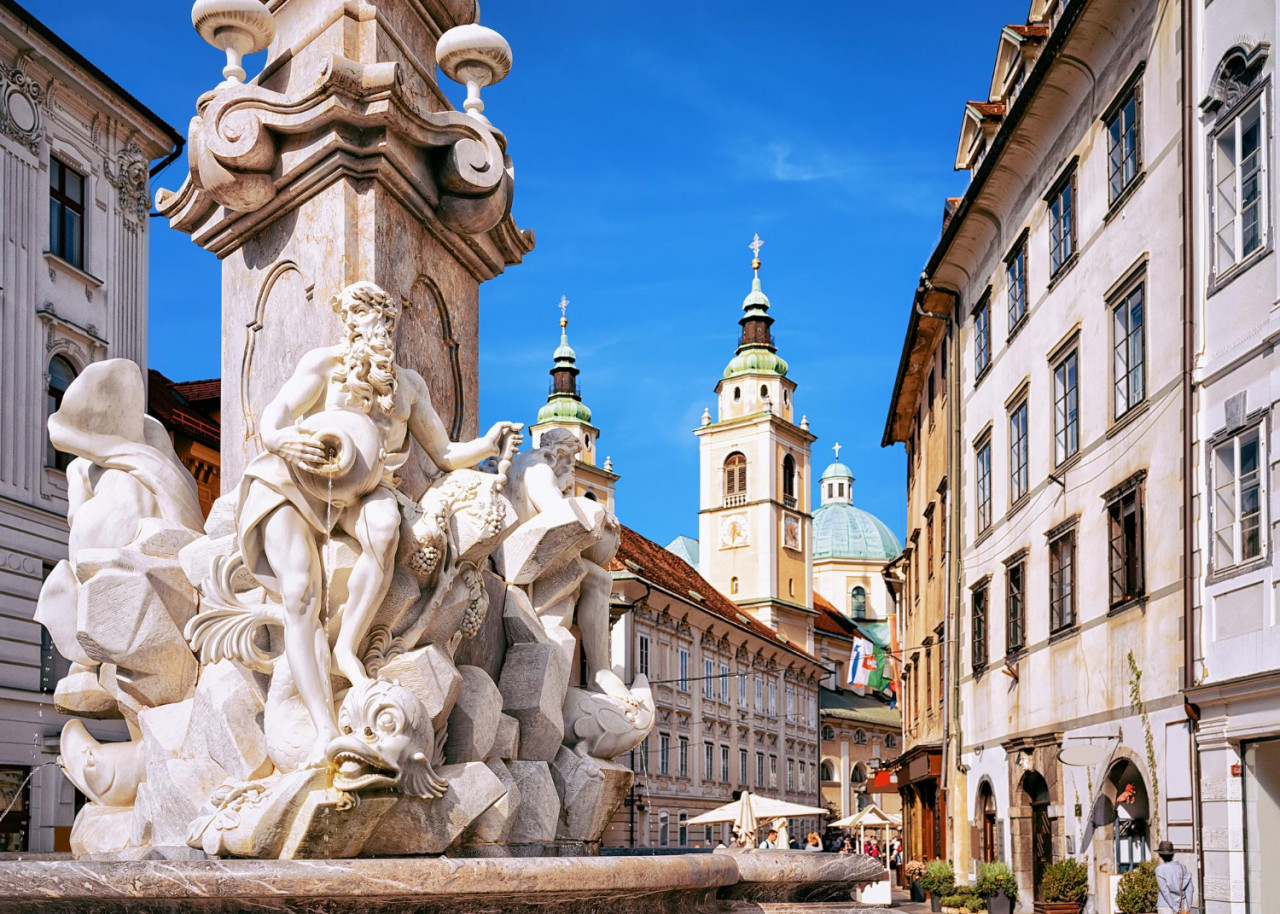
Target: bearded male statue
<point>333,437</point>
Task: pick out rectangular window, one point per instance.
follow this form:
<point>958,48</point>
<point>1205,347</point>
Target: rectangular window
<point>683,683</point>
<point>978,622</point>
<point>982,336</point>
<point>1237,500</point>
<point>642,654</point>
<point>1130,348</point>
<point>682,757</point>
<point>932,395</point>
<point>664,753</point>
<point>1066,408</point>
<point>66,213</point>
<point>928,679</point>
<point>742,690</point>
<point>759,769</point>
<point>1018,480</point>
<point>724,683</point>
<point>773,771</point>
<point>1015,603</point>
<point>1239,153</point>
<point>683,825</point>
<point>1015,269</point>
<point>1062,224</point>
<point>742,766</point>
<point>1124,140</point>
<point>928,532</point>
<point>724,764</point>
<point>791,701</point>
<point>1062,582</point>
<point>759,694</point>
<point>1124,516</point>
<point>708,679</point>
<point>791,774</point>
<point>773,698</point>
<point>982,460</point>
<point>708,762</point>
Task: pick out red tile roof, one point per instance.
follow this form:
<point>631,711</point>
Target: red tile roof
<point>1039,31</point>
<point>646,559</point>
<point>988,109</point>
<point>199,391</point>
<point>176,413</point>
<point>830,621</point>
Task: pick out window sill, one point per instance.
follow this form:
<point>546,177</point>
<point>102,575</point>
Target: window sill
<point>1017,327</point>
<point>1117,205</point>
<point>981,375</point>
<point>70,269</point>
<point>1119,608</point>
<point>1216,575</point>
<point>1063,270</point>
<point>1015,655</point>
<point>1131,416</point>
<point>1220,281</point>
<point>1065,634</point>
<point>1067,464</point>
<point>1018,505</point>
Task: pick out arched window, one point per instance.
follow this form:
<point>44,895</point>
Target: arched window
<point>828,732</point>
<point>683,825</point>
<point>858,603</point>
<point>61,374</point>
<point>733,585</point>
<point>664,829</point>
<point>860,737</point>
<point>791,587</point>
<point>891,741</point>
<point>859,775</point>
<point>735,478</point>
<point>764,391</point>
<point>789,481</point>
<point>592,496</point>
<point>828,773</point>
<point>737,394</point>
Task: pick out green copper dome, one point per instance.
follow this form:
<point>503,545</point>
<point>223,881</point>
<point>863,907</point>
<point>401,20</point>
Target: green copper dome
<point>756,361</point>
<point>837,470</point>
<point>564,409</point>
<point>841,531</point>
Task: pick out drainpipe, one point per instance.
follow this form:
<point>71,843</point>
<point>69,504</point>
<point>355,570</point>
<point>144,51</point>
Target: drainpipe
<point>1189,291</point>
<point>951,651</point>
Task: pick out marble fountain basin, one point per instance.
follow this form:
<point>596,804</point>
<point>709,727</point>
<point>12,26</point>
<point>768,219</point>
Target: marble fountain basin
<point>730,882</point>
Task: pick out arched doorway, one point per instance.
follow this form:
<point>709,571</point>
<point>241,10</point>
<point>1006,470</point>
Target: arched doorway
<point>1127,815</point>
<point>1036,795</point>
<point>985,818</point>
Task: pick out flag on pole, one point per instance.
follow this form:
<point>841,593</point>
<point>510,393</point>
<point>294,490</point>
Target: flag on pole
<point>879,677</point>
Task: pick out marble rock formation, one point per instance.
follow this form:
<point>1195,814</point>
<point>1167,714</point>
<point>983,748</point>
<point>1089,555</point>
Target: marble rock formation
<point>336,667</point>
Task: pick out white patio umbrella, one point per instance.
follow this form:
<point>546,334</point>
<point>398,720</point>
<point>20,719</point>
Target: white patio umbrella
<point>745,825</point>
<point>757,808</point>
<point>870,817</point>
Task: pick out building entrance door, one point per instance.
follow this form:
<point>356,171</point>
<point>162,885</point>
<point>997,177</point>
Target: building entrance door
<point>1041,844</point>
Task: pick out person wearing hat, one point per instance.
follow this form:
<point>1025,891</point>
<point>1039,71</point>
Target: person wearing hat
<point>1173,882</point>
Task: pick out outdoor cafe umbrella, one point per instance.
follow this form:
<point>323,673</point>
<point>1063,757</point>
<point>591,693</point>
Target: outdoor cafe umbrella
<point>870,817</point>
<point>750,808</point>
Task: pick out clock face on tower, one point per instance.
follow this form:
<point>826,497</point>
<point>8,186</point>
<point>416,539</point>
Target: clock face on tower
<point>733,531</point>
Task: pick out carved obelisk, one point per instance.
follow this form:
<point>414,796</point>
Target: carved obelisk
<point>342,160</point>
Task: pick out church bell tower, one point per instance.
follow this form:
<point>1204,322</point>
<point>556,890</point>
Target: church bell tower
<point>755,512</point>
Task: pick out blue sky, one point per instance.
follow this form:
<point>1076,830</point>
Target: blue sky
<point>651,140</point>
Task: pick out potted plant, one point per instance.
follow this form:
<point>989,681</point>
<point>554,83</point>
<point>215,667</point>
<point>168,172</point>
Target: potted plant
<point>997,885</point>
<point>963,900</point>
<point>913,871</point>
<point>939,879</point>
<point>1065,886</point>
<point>1137,891</point>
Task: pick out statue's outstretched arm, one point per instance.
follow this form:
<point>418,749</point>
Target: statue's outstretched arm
<point>427,428</point>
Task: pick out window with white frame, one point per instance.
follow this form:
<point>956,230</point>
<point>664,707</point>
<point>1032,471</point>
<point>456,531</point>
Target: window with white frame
<point>683,682</point>
<point>742,766</point>
<point>1129,347</point>
<point>708,762</point>
<point>742,690</point>
<point>1066,408</point>
<point>1238,150</point>
<point>724,682</point>
<point>1238,528</point>
<point>682,757</point>
<point>664,753</point>
<point>724,764</point>
<point>708,684</point>
<point>773,697</point>
<point>1018,470</point>
<point>642,654</point>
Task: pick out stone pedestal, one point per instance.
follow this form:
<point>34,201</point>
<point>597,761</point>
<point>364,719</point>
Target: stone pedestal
<point>341,161</point>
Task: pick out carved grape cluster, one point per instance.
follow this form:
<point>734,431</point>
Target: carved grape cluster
<point>477,608</point>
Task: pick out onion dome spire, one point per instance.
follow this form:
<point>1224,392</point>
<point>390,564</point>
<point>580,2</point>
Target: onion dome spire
<point>564,402</point>
<point>757,353</point>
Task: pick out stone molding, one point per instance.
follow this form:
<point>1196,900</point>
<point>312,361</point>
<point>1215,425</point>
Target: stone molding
<point>21,103</point>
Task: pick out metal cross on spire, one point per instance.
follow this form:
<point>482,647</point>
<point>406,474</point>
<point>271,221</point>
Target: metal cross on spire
<point>755,245</point>
<point>564,306</point>
<point>836,448</point>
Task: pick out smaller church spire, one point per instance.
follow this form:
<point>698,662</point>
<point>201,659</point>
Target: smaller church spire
<point>564,402</point>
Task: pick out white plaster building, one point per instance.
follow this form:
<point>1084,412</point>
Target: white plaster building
<point>75,155</point>
<point>1234,635</point>
<point>1061,267</point>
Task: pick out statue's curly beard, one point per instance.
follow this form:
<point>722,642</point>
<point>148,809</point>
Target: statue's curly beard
<point>368,369</point>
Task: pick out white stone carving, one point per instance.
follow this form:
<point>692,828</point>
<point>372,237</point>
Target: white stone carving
<point>21,100</point>
<point>291,673</point>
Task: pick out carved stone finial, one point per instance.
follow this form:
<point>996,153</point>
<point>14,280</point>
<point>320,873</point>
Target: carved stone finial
<point>475,56</point>
<point>237,27</point>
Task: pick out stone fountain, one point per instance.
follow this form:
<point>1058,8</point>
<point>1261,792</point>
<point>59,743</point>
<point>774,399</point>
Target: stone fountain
<point>372,646</point>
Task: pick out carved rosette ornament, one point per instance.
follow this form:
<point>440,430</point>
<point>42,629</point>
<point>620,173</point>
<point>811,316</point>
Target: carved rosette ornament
<point>129,175</point>
<point>21,98</point>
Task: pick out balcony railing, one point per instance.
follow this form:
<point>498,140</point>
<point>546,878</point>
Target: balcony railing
<point>789,501</point>
<point>732,501</point>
